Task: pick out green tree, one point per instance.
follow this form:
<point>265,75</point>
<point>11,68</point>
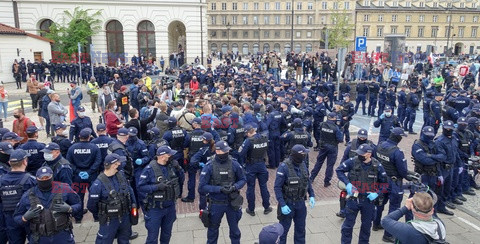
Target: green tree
<point>77,26</point>
<point>340,34</point>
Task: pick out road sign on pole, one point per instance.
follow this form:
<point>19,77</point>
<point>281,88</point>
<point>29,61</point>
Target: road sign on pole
<point>361,44</point>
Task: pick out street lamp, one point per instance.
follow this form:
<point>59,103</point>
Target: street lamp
<point>228,36</point>
<point>291,34</point>
<point>259,39</point>
<point>453,49</point>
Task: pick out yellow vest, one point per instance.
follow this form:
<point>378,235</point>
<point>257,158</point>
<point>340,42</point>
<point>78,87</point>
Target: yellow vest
<point>93,88</point>
<point>148,82</point>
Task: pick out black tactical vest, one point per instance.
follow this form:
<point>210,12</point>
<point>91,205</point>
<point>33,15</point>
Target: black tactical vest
<point>420,168</point>
<point>196,142</point>
<point>173,187</point>
<point>239,137</point>
<point>222,134</point>
<point>354,146</point>
<point>48,223</point>
<point>296,186</point>
<point>11,194</point>
<point>118,203</point>
<point>327,133</point>
<point>358,174</point>
<point>465,140</point>
<point>222,174</point>
<point>259,148</point>
<point>128,169</point>
<point>298,138</point>
<point>384,155</point>
<point>178,137</point>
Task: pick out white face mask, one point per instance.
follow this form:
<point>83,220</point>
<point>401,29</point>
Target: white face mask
<point>48,156</point>
<point>388,114</point>
<point>64,133</point>
<point>81,114</point>
<point>115,108</point>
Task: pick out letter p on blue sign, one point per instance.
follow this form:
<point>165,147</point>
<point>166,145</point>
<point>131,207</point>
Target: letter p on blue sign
<point>361,44</point>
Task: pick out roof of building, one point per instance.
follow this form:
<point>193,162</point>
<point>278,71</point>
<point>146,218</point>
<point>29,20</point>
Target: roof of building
<point>9,30</point>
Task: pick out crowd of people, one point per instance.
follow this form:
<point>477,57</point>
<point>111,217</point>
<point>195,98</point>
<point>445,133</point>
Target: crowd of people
<point>236,125</point>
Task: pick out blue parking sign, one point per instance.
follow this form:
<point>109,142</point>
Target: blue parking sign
<point>361,44</point>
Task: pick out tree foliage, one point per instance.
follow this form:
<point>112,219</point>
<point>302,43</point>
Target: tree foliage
<point>340,34</point>
<point>77,26</point>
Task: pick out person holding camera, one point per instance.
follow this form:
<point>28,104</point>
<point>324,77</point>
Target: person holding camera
<point>366,171</point>
<point>93,92</point>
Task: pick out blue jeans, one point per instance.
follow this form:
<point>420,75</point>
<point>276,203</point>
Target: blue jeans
<point>4,106</point>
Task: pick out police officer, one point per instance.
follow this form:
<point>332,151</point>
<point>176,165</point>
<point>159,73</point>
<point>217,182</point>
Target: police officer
<point>362,90</point>
<point>427,159</point>
<point>236,136</point>
<point>12,185</point>
<point>412,102</point>
<point>80,122</point>
<point>464,139</point>
<point>362,138</point>
<point>102,141</point>
<point>395,165</point>
<point>373,90</point>
<point>222,178</point>
<point>391,97</point>
<point>12,138</point>
<point>5,150</point>
<point>363,170</point>
<point>275,123</point>
<point>155,142</point>
<point>61,138</point>
<point>111,201</point>
<point>426,107</point>
<point>344,88</point>
<point>62,169</point>
<point>291,187</point>
<point>402,103</point>
<point>382,99</point>
<point>448,112</point>
<point>330,136</point>
<point>386,122</point>
<point>85,159</point>
<point>319,114</point>
<point>347,115</point>
<point>41,203</point>
<point>436,112</point>
<point>297,136</point>
<point>177,138</point>
<point>34,148</point>
<point>254,150</point>
<point>118,146</point>
<point>158,189</point>
<point>139,153</point>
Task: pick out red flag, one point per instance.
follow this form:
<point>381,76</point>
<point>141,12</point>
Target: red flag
<point>71,112</point>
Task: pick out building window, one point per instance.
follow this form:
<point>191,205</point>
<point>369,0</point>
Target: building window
<point>421,18</point>
<point>324,20</point>
<point>214,47</point>
<point>146,39</point>
<point>115,45</point>
<point>474,31</point>
<point>346,5</point>
<point>255,6</point>
<point>335,5</point>
<point>234,47</point>
<point>287,34</point>
<point>420,31</point>
<point>266,34</point>
<point>310,20</point>
<point>308,48</point>
<point>299,6</point>
<point>435,18</point>
<point>224,6</point>
<point>365,17</point>
<point>277,19</point>
<point>256,48</point>
<point>462,5</point>
<point>213,6</point>
<point>245,20</point>
<point>408,18</point>
<point>224,34</point>
<point>366,3</point>
<point>366,31</point>
<point>334,20</point>
<point>234,6</point>
<point>422,4</point>
<point>448,18</point>
<point>408,4</point>
<point>434,31</point>
<point>256,34</point>
<point>245,34</point>
<point>461,31</point>
<point>289,6</point>
<point>395,4</point>
<point>224,48</point>
<point>435,4</point>
<point>224,20</point>
<point>245,49</point>
<point>474,5</point>
<point>393,29</point>
<point>214,20</point>
<point>266,20</point>
<point>309,6</point>
<point>309,34</point>
<point>324,5</point>
<point>287,48</point>
<point>245,6</point>
<point>475,19</point>
<point>277,5</point>
<point>298,48</point>
<point>234,34</point>
<point>299,20</point>
<point>408,31</point>
<point>277,34</point>
<point>380,18</point>
<point>394,18</point>
<point>381,3</point>
<point>266,48</point>
<point>267,6</point>
<point>298,34</point>
<point>234,19</point>
<point>213,34</point>
<point>462,19</point>
<point>379,31</point>
<point>255,20</point>
<point>45,27</point>
<point>447,31</point>
<point>288,19</point>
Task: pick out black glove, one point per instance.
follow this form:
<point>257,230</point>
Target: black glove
<point>62,208</point>
<point>161,186</point>
<point>32,213</point>
<point>227,189</point>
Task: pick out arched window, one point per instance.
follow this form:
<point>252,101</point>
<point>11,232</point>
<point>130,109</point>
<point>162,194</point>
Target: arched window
<point>213,47</point>
<point>276,47</point>
<point>245,49</point>
<point>224,48</point>
<point>45,27</point>
<point>235,48</point>
<point>308,47</point>
<point>287,48</point>
<point>255,48</point>
<point>266,48</point>
<point>146,39</point>
<point>115,47</point>
<point>298,48</point>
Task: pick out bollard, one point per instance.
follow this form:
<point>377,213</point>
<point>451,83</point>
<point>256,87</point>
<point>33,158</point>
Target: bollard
<point>100,119</point>
<point>1,123</point>
<point>21,105</point>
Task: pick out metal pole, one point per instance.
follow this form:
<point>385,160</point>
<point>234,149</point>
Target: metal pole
<point>326,39</point>
<point>259,46</point>
<point>448,31</point>
<point>228,36</point>
<point>79,60</point>
<point>201,30</point>
<point>291,34</point>
<point>91,58</point>
<point>21,104</point>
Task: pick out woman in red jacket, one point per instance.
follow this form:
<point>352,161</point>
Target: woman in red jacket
<point>112,120</point>
<point>194,84</point>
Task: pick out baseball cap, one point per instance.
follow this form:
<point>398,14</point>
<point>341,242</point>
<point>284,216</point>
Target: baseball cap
<point>3,131</point>
<point>362,133</point>
<point>50,147</point>
<point>18,155</point>
<point>85,133</point>
<point>332,115</point>
<point>132,131</point>
<point>123,88</point>
<point>122,132</point>
<point>346,94</point>
<point>364,148</point>
<point>250,126</point>
<point>113,158</point>
<point>448,125</point>
<point>73,82</point>
<point>207,136</point>
<point>462,120</point>
<point>299,148</point>
<point>60,126</point>
<point>226,109</point>
<point>101,127</point>
<point>270,234</point>
<point>398,131</point>
<point>388,108</point>
<point>171,119</point>
<point>428,131</point>
<point>81,109</point>
<point>32,129</point>
<point>165,150</point>
<point>12,136</point>
<point>197,120</point>
<point>44,171</point>
<point>155,131</point>
<point>6,148</point>
<point>223,146</point>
